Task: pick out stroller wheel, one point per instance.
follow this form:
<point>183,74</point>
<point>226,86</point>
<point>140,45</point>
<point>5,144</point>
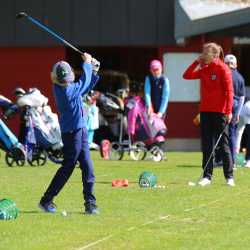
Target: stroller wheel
<point>157,154</point>
<point>116,151</point>
<point>138,151</point>
<point>15,158</point>
<point>39,158</point>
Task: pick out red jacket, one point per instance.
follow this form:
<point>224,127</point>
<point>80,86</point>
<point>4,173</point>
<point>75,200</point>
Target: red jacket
<point>216,86</point>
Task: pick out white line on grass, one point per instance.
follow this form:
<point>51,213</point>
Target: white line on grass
<point>95,242</point>
<point>212,202</point>
<point>154,221</point>
<point>129,230</point>
<point>202,205</point>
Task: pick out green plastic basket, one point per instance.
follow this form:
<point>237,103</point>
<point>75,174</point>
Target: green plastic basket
<point>240,160</point>
<point>147,179</point>
<point>8,210</point>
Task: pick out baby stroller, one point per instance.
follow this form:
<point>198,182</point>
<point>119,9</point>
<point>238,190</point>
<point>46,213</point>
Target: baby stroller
<point>145,134</point>
<point>15,153</point>
<point>42,133</point>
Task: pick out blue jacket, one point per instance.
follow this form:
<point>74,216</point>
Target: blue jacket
<point>69,100</point>
<point>157,93</point>
<point>239,91</point>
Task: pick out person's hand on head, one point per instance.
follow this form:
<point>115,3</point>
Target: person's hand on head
<point>87,58</point>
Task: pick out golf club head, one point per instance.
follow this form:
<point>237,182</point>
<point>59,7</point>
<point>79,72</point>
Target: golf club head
<point>21,15</point>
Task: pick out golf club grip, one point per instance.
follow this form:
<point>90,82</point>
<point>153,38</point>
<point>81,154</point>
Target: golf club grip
<point>51,32</point>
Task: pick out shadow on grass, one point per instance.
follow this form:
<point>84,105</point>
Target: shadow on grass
<point>110,182</point>
<point>188,166</point>
<point>41,212</point>
<point>30,212</point>
<point>103,182</point>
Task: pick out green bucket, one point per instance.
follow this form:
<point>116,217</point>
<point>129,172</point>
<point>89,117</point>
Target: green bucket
<point>240,160</point>
<point>8,210</point>
<point>147,179</point>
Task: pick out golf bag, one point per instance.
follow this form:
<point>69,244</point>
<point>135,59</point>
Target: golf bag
<point>15,153</point>
<point>42,132</point>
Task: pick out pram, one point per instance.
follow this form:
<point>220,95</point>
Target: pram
<point>149,129</point>
<point>15,153</point>
<point>42,135</point>
<point>145,134</point>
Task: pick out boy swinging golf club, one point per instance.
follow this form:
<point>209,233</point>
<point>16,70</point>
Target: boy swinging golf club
<point>215,109</point>
<point>68,97</point>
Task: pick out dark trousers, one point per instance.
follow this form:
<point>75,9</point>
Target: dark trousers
<point>247,132</point>
<point>212,124</point>
<point>232,135</point>
<point>75,149</point>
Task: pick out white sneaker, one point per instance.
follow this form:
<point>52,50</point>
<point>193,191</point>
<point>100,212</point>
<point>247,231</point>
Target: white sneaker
<point>204,182</point>
<point>230,182</point>
<point>247,164</point>
<point>94,146</point>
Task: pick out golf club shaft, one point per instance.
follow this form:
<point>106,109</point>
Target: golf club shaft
<point>214,148</point>
<point>54,34</point>
<point>50,31</point>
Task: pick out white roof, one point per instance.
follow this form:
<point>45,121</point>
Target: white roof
<point>197,9</point>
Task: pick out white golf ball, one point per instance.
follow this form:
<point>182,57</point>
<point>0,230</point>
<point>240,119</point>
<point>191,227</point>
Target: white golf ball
<point>64,213</point>
<point>163,186</point>
<point>190,183</point>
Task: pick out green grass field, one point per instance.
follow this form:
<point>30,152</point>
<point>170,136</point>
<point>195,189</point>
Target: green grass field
<point>178,217</point>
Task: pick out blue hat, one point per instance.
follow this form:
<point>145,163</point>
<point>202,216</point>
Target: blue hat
<point>63,73</point>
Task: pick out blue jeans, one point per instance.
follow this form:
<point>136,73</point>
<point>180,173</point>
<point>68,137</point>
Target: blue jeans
<point>75,149</point>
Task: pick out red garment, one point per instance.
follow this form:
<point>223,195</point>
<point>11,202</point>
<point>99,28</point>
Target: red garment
<point>216,86</point>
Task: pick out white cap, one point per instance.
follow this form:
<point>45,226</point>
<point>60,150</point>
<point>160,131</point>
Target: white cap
<point>231,59</point>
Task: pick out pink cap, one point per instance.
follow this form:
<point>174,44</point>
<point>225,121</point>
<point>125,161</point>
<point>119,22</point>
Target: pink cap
<point>155,64</point>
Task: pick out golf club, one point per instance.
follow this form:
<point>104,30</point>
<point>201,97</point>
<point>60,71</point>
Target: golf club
<point>20,15</point>
<point>190,183</point>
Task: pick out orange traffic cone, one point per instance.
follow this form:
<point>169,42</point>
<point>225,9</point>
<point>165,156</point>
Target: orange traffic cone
<point>120,183</point>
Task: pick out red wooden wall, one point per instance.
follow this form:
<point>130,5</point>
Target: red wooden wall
<point>27,67</point>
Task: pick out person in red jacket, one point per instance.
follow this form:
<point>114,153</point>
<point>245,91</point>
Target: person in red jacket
<point>215,107</point>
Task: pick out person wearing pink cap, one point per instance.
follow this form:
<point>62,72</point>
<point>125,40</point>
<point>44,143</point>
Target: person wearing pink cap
<point>156,90</point>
